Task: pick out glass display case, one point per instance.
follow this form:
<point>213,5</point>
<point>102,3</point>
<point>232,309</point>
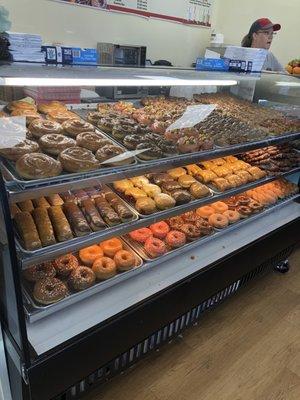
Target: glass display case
<point>123,222</point>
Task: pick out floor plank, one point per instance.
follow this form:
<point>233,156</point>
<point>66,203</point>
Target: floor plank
<point>246,349</point>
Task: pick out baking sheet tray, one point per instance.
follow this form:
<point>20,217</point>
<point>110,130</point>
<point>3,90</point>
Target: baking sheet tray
<point>35,311</point>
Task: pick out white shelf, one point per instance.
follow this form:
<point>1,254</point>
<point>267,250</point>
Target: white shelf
<point>65,324</point>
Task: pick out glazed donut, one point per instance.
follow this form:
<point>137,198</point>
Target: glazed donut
<point>91,140</point>
<point>62,116</point>
<point>64,265</point>
<point>40,271</point>
<point>49,290</point>
<point>124,260</point>
<point>160,229</point>
<point>205,212</point>
<point>16,152</point>
<point>219,207</point>
<point>78,159</point>
<point>37,166</point>
<point>81,278</point>
<point>244,211</point>
<point>90,254</point>
<point>104,268</point>
<point>40,127</point>
<point>155,247</point>
<point>233,216</point>
<point>76,126</point>
<point>218,221</point>
<point>191,231</point>
<point>175,239</point>
<point>54,144</point>
<point>111,246</point>
<point>141,235</point>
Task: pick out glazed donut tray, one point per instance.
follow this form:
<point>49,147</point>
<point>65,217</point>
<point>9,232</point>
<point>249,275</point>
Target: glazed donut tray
<point>217,232</point>
<point>35,311</point>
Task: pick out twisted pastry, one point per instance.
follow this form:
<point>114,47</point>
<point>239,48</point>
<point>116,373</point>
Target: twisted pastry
<point>78,159</point>
<point>37,166</point>
<point>76,126</point>
<point>16,152</point>
<point>40,127</point>
<point>54,144</point>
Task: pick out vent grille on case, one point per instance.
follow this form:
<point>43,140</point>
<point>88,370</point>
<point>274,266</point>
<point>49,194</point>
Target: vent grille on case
<point>167,333</point>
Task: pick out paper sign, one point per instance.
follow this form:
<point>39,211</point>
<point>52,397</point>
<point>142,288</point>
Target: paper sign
<point>192,116</point>
<point>12,131</point>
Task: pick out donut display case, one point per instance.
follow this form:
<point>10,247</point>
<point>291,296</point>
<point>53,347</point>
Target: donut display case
<point>123,222</point>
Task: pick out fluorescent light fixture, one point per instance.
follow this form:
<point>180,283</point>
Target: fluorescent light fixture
<point>288,84</point>
<point>140,81</point>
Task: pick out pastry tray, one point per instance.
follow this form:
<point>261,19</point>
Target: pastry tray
<point>35,311</point>
<point>158,212</point>
<point>218,232</point>
<point>52,247</point>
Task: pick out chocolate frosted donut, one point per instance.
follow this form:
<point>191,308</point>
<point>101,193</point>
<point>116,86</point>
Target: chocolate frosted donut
<point>91,141</point>
<point>40,127</point>
<point>81,278</point>
<point>49,290</point>
<point>54,144</point>
<point>40,271</point>
<point>16,152</point>
<point>37,166</point>
<point>74,127</point>
<point>78,159</point>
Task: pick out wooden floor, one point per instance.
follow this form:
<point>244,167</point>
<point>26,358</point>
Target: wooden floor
<point>246,349</point>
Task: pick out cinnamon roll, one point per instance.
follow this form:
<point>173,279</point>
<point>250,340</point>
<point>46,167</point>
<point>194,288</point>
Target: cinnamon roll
<point>74,127</point>
<point>91,140</point>
<point>78,159</point>
<point>54,144</point>
<point>40,127</point>
<point>25,147</point>
<point>61,116</point>
<point>110,151</point>
<point>37,166</point>
<point>47,108</point>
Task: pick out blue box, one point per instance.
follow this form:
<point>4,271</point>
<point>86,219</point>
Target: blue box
<point>58,55</point>
<point>84,56</point>
<point>212,64</point>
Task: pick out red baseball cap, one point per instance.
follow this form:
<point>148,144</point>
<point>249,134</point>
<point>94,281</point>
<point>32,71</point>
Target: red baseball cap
<point>263,24</point>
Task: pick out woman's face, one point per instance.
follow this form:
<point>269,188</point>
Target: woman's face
<point>263,39</point>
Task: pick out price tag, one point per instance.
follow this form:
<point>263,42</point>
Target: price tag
<point>192,116</point>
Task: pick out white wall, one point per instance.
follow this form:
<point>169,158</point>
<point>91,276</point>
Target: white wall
<point>83,26</point>
<point>234,18</point>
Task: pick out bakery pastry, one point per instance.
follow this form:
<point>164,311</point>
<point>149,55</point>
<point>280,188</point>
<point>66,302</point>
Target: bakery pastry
<point>54,144</point>
<point>181,196</point>
<point>185,181</point>
<point>220,184</point>
<point>80,195</point>
<point>75,126</point>
<point>139,181</point>
<point>41,202</point>
<point>163,201</point>
<point>145,205</point>
<point>151,190</point>
<point>62,116</point>
<point>122,186</point>
<point>26,205</point>
<point>60,224</point>
<point>14,209</point>
<point>107,212</point>
<point>135,193</point>
<point>92,215</point>
<point>76,219</point>
<point>21,105</point>
<point>46,108</point>
<point>118,205</point>
<point>91,141</point>
<point>78,159</point>
<point>27,231</point>
<point>55,199</point>
<point>176,173</point>
<point>161,178</point>
<point>16,152</point>
<point>109,151</point>
<point>38,166</point>
<point>44,226</point>
<point>29,114</point>
<point>198,190</point>
<point>40,127</point>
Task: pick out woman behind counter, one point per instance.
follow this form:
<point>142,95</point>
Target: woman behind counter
<point>260,36</point>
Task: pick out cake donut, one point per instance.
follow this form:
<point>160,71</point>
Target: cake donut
<point>175,239</point>
<point>160,229</point>
<point>37,166</point>
<point>124,260</point>
<point>233,216</point>
<point>64,265</point>
<point>49,290</point>
<point>155,247</point>
<point>78,159</point>
<point>205,212</point>
<point>219,207</point>
<point>219,221</point>
<point>40,271</point>
<point>54,144</point>
<point>104,268</point>
<point>111,246</point>
<point>89,254</point>
<point>141,235</point>
<point>81,278</point>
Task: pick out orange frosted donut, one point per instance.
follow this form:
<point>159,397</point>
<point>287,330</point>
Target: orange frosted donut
<point>111,246</point>
<point>89,254</point>
<point>205,211</point>
<point>160,229</point>
<point>233,216</point>
<point>175,239</point>
<point>141,235</point>
<point>219,207</point>
<point>155,247</point>
<point>104,268</point>
<point>124,260</point>
<point>218,221</point>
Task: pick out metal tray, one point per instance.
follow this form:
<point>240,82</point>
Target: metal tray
<point>35,311</point>
<point>29,253</point>
<point>158,213</point>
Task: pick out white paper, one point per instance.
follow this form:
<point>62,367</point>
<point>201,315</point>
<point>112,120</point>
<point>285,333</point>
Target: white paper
<point>256,56</point>
<point>12,131</point>
<point>192,116</point>
<point>211,54</point>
